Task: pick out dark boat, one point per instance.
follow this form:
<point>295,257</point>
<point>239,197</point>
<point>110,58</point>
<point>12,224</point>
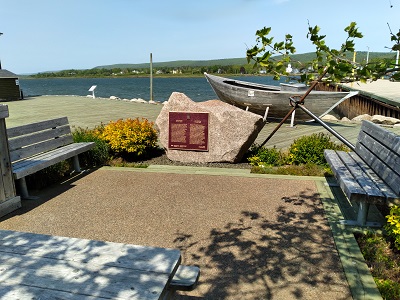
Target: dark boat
<point>274,100</point>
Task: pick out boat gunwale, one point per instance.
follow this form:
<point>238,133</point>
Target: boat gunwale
<point>264,87</point>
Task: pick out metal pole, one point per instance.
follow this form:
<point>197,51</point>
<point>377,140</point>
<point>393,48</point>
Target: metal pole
<point>151,76</point>
<point>327,127</point>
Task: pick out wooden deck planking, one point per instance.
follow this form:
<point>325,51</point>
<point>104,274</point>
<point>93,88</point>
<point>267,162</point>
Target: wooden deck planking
<point>84,112</point>
<point>383,90</point>
<point>36,265</point>
<point>286,135</point>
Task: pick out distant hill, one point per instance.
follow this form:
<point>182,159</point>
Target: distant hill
<point>305,57</point>
<point>180,63</point>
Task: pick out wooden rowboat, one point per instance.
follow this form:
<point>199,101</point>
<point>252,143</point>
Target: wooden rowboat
<point>273,101</point>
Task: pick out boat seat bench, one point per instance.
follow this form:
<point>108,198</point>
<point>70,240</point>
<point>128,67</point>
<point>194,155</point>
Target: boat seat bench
<point>370,174</point>
<point>36,146</point>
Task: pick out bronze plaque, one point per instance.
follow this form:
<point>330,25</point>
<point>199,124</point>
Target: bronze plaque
<point>188,131</point>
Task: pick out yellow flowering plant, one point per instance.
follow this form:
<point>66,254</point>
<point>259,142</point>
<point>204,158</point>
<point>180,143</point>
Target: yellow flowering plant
<point>392,226</point>
<point>130,136</point>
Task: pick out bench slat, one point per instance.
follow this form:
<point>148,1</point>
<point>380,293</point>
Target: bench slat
<point>384,168</point>
<point>23,141</point>
<point>390,195</point>
<point>346,181</point>
<point>373,193</point>
<point>40,147</point>
<point>34,127</point>
<point>380,134</point>
<point>386,151</point>
<point>39,162</point>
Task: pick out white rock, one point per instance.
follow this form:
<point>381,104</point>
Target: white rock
<point>345,119</point>
<point>114,98</point>
<point>329,118</point>
<point>378,119</point>
<point>362,117</point>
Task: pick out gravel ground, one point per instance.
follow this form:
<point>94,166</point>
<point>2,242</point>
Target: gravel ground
<point>253,238</point>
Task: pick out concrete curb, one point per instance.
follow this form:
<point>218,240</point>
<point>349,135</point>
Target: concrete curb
<point>359,278</point>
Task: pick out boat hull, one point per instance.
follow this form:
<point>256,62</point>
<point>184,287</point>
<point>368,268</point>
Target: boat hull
<point>257,98</point>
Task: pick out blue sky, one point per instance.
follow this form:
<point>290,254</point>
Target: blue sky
<point>43,35</point>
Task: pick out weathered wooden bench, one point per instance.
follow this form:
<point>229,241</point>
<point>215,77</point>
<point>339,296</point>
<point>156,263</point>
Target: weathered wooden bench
<point>36,146</point>
<point>370,174</point>
<point>37,266</point>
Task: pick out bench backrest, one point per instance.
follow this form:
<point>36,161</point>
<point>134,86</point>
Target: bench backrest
<point>380,149</point>
<point>32,139</point>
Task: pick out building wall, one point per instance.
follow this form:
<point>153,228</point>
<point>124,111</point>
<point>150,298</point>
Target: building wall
<point>9,90</point>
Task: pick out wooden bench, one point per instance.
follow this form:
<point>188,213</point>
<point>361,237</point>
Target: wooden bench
<point>36,146</point>
<point>370,174</point>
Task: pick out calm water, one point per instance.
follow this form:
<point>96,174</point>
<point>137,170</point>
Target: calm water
<point>198,89</point>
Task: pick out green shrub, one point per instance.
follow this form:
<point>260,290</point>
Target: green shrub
<point>310,149</point>
<point>264,156</point>
<point>383,262</point>
<point>99,154</point>
<point>392,226</point>
<point>389,289</point>
<point>295,170</point>
<point>130,136</point>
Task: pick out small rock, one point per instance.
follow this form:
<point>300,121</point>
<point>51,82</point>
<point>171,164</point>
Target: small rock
<point>378,119</point>
<point>114,98</point>
<point>345,119</point>
<point>330,118</point>
<point>362,117</point>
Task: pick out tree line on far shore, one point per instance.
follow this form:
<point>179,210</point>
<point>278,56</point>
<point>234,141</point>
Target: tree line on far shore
<point>171,68</point>
<point>136,72</point>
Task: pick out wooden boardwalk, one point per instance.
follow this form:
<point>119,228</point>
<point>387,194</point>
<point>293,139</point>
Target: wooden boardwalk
<point>88,113</point>
<point>383,90</point>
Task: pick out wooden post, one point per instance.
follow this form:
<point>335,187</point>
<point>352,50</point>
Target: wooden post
<point>9,200</point>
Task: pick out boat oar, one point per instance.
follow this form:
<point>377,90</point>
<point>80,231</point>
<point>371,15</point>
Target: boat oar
<point>300,101</point>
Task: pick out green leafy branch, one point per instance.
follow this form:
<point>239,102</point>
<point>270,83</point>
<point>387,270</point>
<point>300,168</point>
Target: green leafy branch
<point>337,63</point>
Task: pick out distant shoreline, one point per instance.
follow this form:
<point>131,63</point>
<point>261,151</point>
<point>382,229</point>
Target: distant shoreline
<point>145,76</point>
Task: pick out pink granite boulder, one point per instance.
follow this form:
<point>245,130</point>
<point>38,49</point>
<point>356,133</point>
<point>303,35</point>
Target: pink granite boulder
<point>231,131</point>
